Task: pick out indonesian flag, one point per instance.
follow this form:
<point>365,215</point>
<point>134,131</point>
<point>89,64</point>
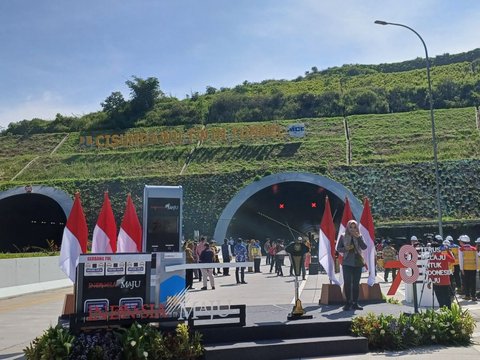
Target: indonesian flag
<point>130,235</point>
<point>368,233</point>
<point>105,232</point>
<point>346,217</point>
<point>326,246</point>
<point>74,239</point>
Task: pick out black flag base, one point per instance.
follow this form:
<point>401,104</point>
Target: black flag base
<point>298,313</point>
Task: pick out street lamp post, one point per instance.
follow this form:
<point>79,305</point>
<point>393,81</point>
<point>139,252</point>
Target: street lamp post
<point>432,119</point>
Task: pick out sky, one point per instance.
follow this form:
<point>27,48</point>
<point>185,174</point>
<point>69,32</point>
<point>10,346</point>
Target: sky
<point>67,57</point>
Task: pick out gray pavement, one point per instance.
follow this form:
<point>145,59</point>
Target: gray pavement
<point>24,317</point>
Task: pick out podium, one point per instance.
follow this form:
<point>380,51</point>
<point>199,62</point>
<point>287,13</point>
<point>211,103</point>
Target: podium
<point>68,304</point>
<point>331,295</point>
<point>370,294</point>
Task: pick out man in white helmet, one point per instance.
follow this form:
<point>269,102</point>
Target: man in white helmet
<point>468,261</point>
<point>440,274</point>
<point>414,241</point>
<point>437,241</point>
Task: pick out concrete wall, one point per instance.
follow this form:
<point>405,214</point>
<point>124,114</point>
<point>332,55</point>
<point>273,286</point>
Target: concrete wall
<point>23,271</point>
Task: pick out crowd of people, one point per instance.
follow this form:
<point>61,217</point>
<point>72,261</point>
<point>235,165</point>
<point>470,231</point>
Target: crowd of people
<point>460,259</point>
<point>239,251</point>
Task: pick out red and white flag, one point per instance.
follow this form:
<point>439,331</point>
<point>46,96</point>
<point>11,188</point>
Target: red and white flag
<point>105,231</point>
<point>74,240</point>
<point>130,235</point>
<point>326,244</point>
<point>346,217</point>
<point>367,231</point>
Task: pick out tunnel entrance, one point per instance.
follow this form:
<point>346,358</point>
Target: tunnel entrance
<point>285,210</point>
<point>29,221</point>
<point>284,205</point>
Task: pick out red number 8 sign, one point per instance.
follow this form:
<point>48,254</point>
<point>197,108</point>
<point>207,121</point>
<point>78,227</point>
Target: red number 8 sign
<point>408,257</point>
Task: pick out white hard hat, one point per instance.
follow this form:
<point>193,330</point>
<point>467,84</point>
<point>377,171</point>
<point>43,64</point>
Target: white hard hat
<point>449,238</point>
<point>299,238</point>
<point>413,238</point>
<point>464,238</point>
<point>438,238</point>
<point>446,243</point>
<point>477,241</point>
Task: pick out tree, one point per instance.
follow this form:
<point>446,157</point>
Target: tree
<point>365,101</point>
<point>211,90</point>
<point>114,103</point>
<point>144,93</point>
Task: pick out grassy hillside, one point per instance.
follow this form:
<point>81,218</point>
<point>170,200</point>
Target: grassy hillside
<point>375,139</point>
<point>391,164</point>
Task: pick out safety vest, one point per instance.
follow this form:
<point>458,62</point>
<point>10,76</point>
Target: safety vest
<point>455,254</point>
<point>469,259</point>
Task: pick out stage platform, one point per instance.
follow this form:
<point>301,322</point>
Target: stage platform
<point>268,299</point>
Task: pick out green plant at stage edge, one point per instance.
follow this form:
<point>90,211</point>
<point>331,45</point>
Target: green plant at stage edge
<point>137,342</point>
<point>55,343</point>
<point>392,300</point>
<point>386,332</point>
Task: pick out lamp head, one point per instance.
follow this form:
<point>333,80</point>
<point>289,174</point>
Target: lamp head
<point>381,22</point>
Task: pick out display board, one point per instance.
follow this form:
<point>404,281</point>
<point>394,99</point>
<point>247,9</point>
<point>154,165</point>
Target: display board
<point>112,281</point>
<point>162,214</point>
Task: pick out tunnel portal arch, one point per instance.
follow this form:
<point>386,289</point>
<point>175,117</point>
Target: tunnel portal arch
<point>31,215</point>
<point>332,187</point>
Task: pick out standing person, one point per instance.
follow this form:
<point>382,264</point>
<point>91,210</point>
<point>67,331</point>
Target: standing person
<point>214,248</point>
<point>198,251</point>
<point>457,275</point>
<point>266,248</point>
<point>351,244</point>
<point>272,251</point>
<point>468,260</point>
<point>308,255</point>
<point>414,242</point>
<point>440,264</point>
<point>447,246</point>
<point>189,259</point>
<point>231,242</point>
<point>257,255</point>
<point>207,257</point>
<point>250,244</point>
<point>227,256</point>
<point>279,257</point>
<point>240,252</point>
<point>389,254</point>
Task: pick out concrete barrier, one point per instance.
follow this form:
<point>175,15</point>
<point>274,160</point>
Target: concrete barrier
<point>24,275</point>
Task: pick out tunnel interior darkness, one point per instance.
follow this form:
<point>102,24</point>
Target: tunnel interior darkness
<point>28,220</point>
<point>285,210</point>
